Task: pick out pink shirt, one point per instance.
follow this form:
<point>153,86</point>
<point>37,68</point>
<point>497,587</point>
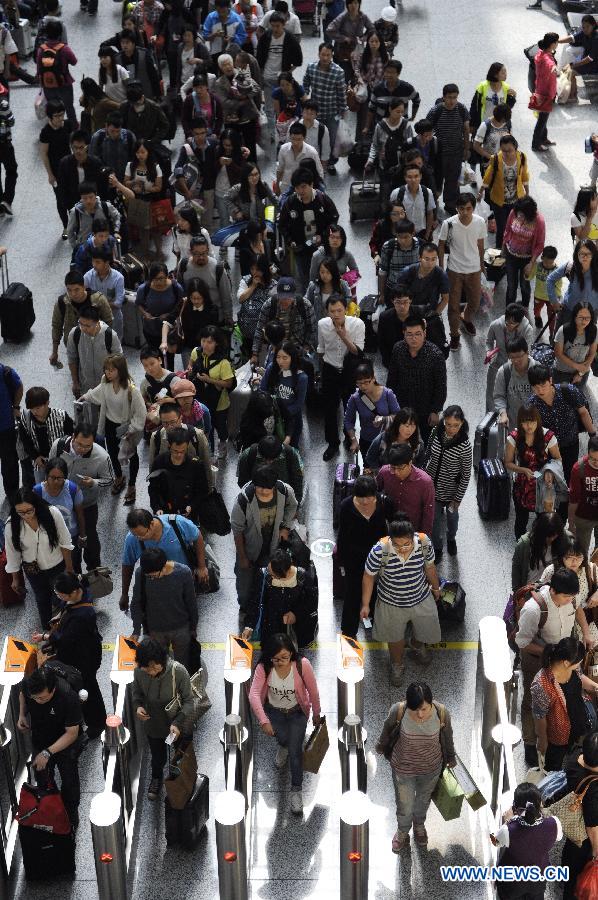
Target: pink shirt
<point>306,691</point>
<point>524,239</point>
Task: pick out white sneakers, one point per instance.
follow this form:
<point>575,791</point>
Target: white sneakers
<point>296,802</point>
<point>282,755</point>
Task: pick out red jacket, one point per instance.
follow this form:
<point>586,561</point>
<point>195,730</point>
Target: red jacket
<point>545,87</point>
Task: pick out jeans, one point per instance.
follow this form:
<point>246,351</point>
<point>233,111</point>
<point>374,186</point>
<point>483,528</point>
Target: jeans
<point>180,638</point>
<point>9,462</point>
<point>289,729</point>
<point>112,446</point>
<point>514,266</point>
<point>501,214</point>
<point>92,549</point>
<point>8,160</point>
<point>413,794</point>
<point>303,264</point>
<point>452,524</point>
<point>158,752</point>
<point>269,104</point>
<point>540,135</point>
<point>42,585</point>
<point>117,321</point>
<point>67,763</point>
<point>223,211</point>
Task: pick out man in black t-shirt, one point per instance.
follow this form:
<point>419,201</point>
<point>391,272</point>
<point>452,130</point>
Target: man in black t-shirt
<point>426,281</point>
<point>51,710</point>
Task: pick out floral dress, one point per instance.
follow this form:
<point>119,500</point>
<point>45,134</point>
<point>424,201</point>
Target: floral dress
<point>524,489</point>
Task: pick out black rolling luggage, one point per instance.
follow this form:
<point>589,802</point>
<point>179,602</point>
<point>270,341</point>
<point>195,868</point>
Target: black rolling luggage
<point>358,156</point>
<point>346,473</point>
<point>45,833</point>
<point>367,306</point>
<point>494,490</point>
<point>490,439</point>
<point>16,308</point>
<point>184,826</point>
<point>364,200</point>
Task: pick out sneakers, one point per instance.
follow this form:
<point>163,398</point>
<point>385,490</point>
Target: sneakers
<point>422,654</point>
<point>64,235</point>
<point>153,791</point>
<point>469,327</point>
<point>420,834</point>
<point>400,841</point>
<point>6,207</point>
<point>282,755</point>
<point>396,674</point>
<point>455,341</point>
<point>296,802</point>
<point>451,546</point>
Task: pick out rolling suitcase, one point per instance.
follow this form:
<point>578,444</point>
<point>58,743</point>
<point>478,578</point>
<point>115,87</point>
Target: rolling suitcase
<point>480,444</point>
<point>367,305</point>
<point>184,826</point>
<point>133,269</point>
<point>358,156</point>
<point>16,308</point>
<point>494,490</point>
<point>45,833</point>
<point>346,473</point>
<point>338,577</point>
<point>497,438</point>
<point>364,200</point>
<point>132,322</point>
<point>239,398</point>
<point>23,38</point>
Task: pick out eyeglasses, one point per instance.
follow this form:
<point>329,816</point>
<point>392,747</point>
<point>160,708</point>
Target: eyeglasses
<point>26,513</point>
<point>281,659</point>
<point>56,478</point>
<point>403,548</point>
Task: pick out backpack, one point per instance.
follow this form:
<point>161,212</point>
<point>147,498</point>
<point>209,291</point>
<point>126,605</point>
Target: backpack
<point>393,737</point>
<point>107,338</point>
<point>515,604</point>
<point>426,194</point>
<point>191,171</point>
<point>50,68</point>
<point>72,488</point>
<point>183,268</point>
<point>393,145</point>
<point>253,452</point>
<point>299,304</point>
<point>245,497</point>
<point>208,393</point>
<point>156,386</point>
<point>104,205</point>
<point>67,673</point>
<point>493,162</point>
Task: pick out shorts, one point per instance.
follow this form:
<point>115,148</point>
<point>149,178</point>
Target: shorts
<point>391,621</point>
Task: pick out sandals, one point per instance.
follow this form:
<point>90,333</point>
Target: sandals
<point>118,485</point>
<point>130,497</point>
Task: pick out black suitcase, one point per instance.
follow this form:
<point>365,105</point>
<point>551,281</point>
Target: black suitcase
<point>184,826</point>
<point>132,322</point>
<point>345,475</point>
<point>358,156</point>
<point>46,855</point>
<point>133,269</point>
<point>16,308</point>
<point>364,200</point>
<point>480,444</point>
<point>367,305</point>
<point>494,490</point>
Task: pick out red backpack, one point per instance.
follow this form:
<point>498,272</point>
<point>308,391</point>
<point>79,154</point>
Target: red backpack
<point>515,604</point>
<point>51,73</point>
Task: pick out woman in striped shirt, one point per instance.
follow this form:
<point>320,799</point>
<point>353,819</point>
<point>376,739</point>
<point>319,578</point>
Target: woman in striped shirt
<point>417,739</point>
<point>448,463</point>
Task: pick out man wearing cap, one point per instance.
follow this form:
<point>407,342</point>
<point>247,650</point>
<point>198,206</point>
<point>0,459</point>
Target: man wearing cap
<point>171,418</point>
<point>281,458</point>
<point>294,312</point>
<point>387,28</point>
<point>303,219</point>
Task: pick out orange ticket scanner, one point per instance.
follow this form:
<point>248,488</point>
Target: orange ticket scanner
<point>349,677</point>
<point>18,658</point>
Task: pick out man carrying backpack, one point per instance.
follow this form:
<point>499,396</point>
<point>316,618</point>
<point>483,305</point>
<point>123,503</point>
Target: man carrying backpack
<point>450,120</point>
<point>389,136</point>
<point>196,169</point>
<point>296,314</point>
<point>546,617</point>
<point>88,345</point>
<point>67,308</point>
<point>83,214</point>
<point>53,60</point>
<point>283,459</point>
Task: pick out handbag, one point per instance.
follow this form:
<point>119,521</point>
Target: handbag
<point>182,774</point>
<point>316,747</point>
<point>569,811</point>
<point>100,582</point>
<point>213,514</point>
<point>194,656</point>
<point>138,213</point>
<point>586,886</point>
<point>200,702</point>
<point>448,796</point>
<point>472,793</point>
<point>213,568</point>
<point>161,214</point>
<point>451,604</point>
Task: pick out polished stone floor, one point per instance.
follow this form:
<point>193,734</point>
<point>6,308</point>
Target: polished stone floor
<point>292,856</point>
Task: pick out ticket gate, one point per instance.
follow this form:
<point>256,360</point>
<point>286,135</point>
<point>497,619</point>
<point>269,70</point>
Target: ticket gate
<point>354,804</point>
<point>233,804</point>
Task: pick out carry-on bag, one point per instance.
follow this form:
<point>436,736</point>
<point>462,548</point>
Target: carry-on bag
<point>344,478</point>
<point>16,307</point>
<point>184,826</point>
<point>494,490</point>
<point>364,200</point>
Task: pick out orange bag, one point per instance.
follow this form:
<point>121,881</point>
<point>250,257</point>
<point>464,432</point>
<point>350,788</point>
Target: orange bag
<point>587,882</point>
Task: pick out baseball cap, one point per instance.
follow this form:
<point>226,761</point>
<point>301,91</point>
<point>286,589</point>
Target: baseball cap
<point>389,14</point>
<point>286,287</point>
<point>183,388</point>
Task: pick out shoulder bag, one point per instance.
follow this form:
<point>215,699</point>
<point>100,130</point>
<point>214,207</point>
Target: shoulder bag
<point>570,811</point>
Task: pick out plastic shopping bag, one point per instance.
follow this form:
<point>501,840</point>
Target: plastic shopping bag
<point>487,298</point>
<point>344,142</point>
<point>467,175</point>
<point>482,209</point>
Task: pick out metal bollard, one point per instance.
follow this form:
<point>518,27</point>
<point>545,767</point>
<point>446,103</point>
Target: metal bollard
<point>229,814</point>
<point>354,845</point>
<point>351,746</point>
<point>108,836</point>
<point>349,671</point>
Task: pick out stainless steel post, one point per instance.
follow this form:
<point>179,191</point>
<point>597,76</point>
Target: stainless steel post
<point>354,846</point>
<point>229,814</point>
<point>108,836</point>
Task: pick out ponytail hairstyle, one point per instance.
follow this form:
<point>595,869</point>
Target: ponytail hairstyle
<point>527,802</point>
<point>568,649</point>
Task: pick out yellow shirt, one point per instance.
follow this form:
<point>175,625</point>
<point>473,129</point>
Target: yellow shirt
<point>221,371</point>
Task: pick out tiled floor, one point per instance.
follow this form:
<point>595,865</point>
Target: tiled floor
<point>291,856</point>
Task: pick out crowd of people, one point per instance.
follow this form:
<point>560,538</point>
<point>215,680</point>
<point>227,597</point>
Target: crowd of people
<point>150,226</point>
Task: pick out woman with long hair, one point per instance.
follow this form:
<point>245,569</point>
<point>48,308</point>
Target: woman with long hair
<point>249,199</point>
<point>59,491</point>
<point>523,243</point>
<point>373,404</point>
<point>253,291</point>
<point>573,556</point>
<point>143,176</point>
<point>159,299</point>
<point>334,244</point>
<point>252,242</point>
<point>448,463</point>
<point>327,281</point>
<point>286,381</point>
<point>286,98</point>
<point>384,228</point>
<point>122,417</point>
<point>197,311</point>
<point>584,218</point>
<point>489,93</point>
<point>283,693</point>
<point>527,450</point>
<point>96,106</point>
<point>537,548</point>
<point>39,544</point>
<point>580,278</point>
<point>186,228</point>
<point>213,377</point>
<point>112,76</point>
<point>401,429</point>
<point>575,347</point>
<point>74,639</point>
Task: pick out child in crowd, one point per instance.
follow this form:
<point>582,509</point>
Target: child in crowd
<point>540,272</point>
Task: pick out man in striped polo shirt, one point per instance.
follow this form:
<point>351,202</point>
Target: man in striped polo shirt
<point>408,589</point>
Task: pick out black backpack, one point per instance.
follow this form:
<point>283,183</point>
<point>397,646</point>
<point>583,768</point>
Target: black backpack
<point>77,338</point>
<point>425,192</point>
<point>394,144</point>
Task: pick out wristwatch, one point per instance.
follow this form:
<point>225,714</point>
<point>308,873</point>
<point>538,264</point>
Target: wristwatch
<point>46,753</point>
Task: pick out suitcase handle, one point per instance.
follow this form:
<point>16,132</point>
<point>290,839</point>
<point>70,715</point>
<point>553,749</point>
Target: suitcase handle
<point>4,271</point>
<point>118,250</point>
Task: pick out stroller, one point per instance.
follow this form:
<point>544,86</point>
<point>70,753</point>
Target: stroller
<point>309,13</point>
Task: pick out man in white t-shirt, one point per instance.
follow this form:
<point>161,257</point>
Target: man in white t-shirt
<point>292,25</point>
<point>316,133</point>
<point>462,237</point>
